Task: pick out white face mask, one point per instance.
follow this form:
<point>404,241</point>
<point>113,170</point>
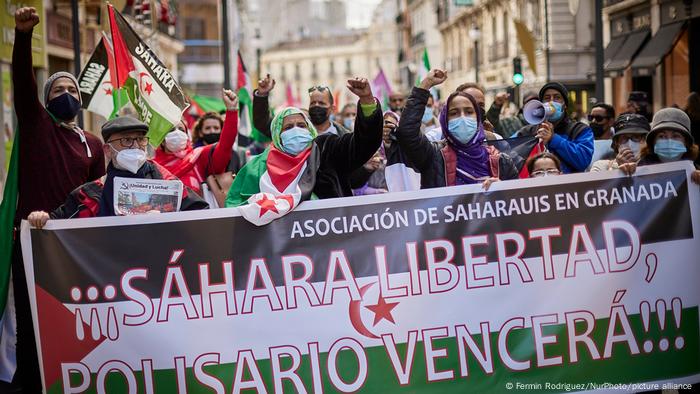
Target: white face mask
<point>635,147</point>
<point>129,159</point>
<point>176,140</point>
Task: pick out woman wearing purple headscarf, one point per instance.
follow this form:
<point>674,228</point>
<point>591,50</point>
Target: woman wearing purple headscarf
<point>462,157</point>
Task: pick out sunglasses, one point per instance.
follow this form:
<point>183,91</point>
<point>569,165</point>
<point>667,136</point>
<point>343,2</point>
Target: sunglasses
<point>597,118</point>
<point>322,88</point>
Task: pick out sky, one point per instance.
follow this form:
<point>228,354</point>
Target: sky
<point>359,12</point>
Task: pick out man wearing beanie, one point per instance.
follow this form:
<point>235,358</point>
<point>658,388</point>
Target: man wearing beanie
<point>125,148</point>
<point>55,157</point>
<point>570,140</point>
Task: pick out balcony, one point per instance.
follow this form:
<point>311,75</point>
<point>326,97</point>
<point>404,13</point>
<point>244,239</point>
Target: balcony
<point>201,51</point>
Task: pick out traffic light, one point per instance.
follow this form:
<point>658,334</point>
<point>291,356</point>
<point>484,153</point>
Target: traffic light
<point>517,71</point>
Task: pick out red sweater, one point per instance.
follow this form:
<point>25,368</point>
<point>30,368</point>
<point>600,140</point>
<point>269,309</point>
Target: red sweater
<point>52,159</point>
<point>195,167</point>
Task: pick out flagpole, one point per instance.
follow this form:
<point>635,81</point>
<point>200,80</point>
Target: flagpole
<point>76,48</point>
<point>114,55</point>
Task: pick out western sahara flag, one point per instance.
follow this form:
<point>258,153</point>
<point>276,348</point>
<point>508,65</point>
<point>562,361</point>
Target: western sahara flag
<point>245,98</point>
<point>149,85</point>
<point>279,190</point>
<point>423,71</point>
<point>95,81</point>
<point>8,208</point>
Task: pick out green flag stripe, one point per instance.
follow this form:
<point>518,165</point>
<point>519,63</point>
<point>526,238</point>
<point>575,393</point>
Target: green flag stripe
<point>8,208</point>
<point>620,368</point>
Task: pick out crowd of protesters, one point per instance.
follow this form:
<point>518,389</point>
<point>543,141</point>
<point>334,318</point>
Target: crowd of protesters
<point>316,153</point>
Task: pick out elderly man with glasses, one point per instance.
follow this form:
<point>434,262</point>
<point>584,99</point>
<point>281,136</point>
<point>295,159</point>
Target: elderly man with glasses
<point>125,148</point>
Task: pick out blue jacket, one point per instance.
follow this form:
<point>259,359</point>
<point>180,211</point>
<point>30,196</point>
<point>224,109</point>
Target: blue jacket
<point>572,142</point>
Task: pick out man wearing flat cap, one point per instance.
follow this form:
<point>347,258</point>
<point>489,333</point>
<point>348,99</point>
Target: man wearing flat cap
<point>125,148</point>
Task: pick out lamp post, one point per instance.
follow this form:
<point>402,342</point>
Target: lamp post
<point>475,35</point>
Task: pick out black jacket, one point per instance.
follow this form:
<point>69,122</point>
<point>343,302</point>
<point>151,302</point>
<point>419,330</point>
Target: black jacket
<point>339,155</point>
<point>262,119</point>
<point>426,156</point>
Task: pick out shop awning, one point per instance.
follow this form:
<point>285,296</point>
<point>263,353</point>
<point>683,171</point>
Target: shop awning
<point>654,51</point>
<point>611,50</point>
<point>624,56</point>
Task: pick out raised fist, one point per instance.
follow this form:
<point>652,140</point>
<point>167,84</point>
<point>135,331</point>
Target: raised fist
<point>361,88</point>
<point>230,100</point>
<point>434,78</point>
<point>26,18</point>
<point>266,85</point>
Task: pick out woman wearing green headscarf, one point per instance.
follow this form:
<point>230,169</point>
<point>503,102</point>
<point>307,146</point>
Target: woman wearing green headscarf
<point>300,164</point>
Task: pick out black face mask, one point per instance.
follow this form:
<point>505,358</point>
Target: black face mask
<point>318,115</point>
<point>64,107</point>
<point>211,138</point>
<point>598,129</point>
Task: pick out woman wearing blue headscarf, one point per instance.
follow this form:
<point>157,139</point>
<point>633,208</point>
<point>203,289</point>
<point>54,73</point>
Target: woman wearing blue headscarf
<point>461,157</point>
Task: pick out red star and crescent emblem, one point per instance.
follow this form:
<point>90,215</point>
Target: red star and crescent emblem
<point>266,205</point>
<point>107,86</point>
<point>382,311</point>
<point>145,85</point>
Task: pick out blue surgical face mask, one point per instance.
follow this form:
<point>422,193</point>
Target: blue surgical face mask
<point>427,115</point>
<point>463,128</point>
<point>295,140</point>
<point>349,123</point>
<point>558,113</point>
<point>669,150</point>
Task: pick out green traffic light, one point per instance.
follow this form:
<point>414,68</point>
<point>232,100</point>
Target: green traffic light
<point>518,79</point>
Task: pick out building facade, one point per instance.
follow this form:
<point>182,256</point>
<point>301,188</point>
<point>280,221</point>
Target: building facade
<point>332,60</point>
<point>481,40</point>
<point>416,24</point>
<point>201,62</point>
<point>654,47</point>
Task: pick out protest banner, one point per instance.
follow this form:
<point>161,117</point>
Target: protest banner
<point>562,283</point>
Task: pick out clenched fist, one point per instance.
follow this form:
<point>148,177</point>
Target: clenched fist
<point>434,78</point>
<point>360,87</point>
<point>26,18</point>
<point>266,85</point>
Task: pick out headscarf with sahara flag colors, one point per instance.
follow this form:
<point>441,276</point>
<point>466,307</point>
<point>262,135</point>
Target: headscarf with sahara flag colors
<point>271,185</point>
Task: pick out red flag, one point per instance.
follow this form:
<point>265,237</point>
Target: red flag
<point>242,80</point>
<point>291,101</point>
<point>122,57</point>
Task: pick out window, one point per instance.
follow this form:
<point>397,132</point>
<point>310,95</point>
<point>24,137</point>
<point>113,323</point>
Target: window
<point>297,72</point>
<point>194,29</point>
<point>314,71</point>
<point>331,68</point>
<point>348,67</point>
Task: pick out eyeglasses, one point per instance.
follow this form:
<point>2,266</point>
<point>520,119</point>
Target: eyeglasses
<point>597,118</point>
<point>128,142</point>
<point>539,173</point>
